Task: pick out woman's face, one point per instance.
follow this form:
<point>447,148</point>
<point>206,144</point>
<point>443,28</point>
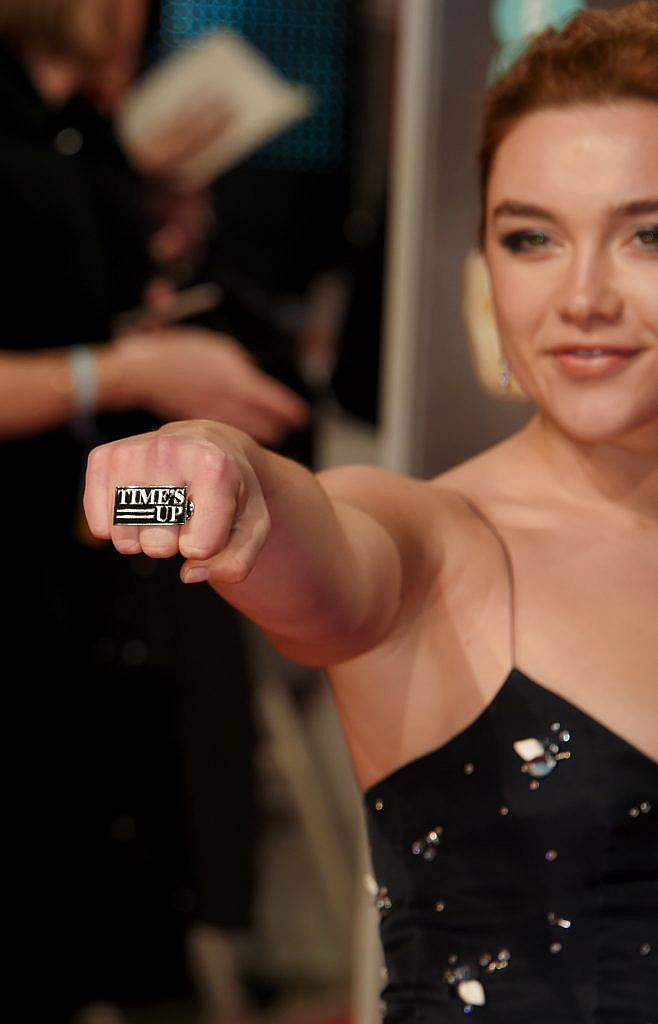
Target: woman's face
<point>572,249</point>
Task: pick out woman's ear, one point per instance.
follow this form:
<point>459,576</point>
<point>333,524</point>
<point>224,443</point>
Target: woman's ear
<point>487,357</point>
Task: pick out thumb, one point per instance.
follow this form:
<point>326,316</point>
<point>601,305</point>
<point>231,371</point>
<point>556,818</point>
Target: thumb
<point>195,571</point>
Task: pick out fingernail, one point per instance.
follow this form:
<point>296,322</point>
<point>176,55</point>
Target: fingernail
<point>196,576</point>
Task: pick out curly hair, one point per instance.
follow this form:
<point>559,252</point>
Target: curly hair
<point>599,56</point>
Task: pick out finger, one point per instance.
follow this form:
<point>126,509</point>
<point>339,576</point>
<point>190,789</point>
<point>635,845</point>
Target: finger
<point>159,541</point>
<point>160,295</point>
<point>126,539</point>
<point>168,244</point>
<point>263,391</point>
<point>165,462</point>
<point>215,489</point>
<point>250,531</point>
<point>127,468</point>
<point>259,424</point>
<point>95,500</point>
<point>167,467</point>
<point>263,425</point>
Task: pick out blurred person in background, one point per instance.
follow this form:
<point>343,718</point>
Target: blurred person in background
<point>124,824</point>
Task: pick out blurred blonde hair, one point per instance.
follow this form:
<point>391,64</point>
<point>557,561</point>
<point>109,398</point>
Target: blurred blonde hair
<point>77,29</point>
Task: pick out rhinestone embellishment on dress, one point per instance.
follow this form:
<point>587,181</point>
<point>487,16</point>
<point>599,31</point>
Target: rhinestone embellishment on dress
<point>379,893</point>
<point>541,757</point>
<point>382,899</point>
<point>560,922</point>
<point>465,978</point>
<point>427,846</point>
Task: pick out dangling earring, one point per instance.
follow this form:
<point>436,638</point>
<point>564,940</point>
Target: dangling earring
<point>503,373</point>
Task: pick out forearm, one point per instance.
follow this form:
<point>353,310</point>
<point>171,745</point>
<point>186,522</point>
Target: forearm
<point>326,584</point>
<point>37,393</point>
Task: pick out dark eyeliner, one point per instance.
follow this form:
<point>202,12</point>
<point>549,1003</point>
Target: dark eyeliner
<point>514,241</point>
<point>650,229</point>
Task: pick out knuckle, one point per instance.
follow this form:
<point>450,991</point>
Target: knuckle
<point>173,427</point>
<point>94,458</point>
<point>96,527</point>
<point>123,454</point>
<point>196,550</point>
<point>215,461</point>
<point>228,507</point>
<point>266,521</point>
<point>191,428</point>
<point>127,547</point>
<point>261,533</point>
<point>158,550</point>
<point>165,448</point>
<point>237,568</point>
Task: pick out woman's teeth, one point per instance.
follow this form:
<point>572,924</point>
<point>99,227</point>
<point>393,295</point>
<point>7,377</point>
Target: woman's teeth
<point>589,353</point>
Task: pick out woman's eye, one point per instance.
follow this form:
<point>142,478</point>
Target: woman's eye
<point>525,241</point>
<point>648,237</point>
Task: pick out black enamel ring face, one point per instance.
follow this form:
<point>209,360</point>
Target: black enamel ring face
<point>157,505</point>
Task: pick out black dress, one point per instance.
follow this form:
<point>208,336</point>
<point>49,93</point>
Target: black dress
<point>128,732</point>
<point>518,868</point>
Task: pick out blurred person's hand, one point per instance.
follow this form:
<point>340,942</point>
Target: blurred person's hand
<point>182,221</point>
<point>164,304</point>
<point>159,297</point>
<point>191,373</point>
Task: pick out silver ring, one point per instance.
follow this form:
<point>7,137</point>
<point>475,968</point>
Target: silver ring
<point>152,505</point>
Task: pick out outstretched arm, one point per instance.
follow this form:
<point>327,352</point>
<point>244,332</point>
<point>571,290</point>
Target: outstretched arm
<point>326,565</point>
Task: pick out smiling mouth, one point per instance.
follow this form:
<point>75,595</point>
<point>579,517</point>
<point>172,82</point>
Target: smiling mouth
<point>594,361</point>
<point>593,352</point>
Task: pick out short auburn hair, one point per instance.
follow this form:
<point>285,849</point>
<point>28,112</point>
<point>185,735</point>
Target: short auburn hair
<point>597,57</point>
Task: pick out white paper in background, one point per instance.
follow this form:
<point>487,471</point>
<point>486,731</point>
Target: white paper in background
<point>262,103</point>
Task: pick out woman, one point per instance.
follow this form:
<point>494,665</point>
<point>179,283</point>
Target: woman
<point>512,825</point>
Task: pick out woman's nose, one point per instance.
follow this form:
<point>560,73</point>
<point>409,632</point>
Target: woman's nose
<point>589,295</point>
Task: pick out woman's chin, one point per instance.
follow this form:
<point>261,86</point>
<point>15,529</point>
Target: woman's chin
<point>598,423</point>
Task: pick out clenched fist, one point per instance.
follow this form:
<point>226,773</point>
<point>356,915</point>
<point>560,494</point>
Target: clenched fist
<point>230,523</point>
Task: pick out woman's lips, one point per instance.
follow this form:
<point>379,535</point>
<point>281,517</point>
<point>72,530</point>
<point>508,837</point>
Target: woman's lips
<point>593,363</point>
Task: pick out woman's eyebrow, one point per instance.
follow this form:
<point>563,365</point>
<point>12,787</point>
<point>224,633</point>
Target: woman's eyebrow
<point>633,208</point>
<point>513,209</point>
<point>637,207</point>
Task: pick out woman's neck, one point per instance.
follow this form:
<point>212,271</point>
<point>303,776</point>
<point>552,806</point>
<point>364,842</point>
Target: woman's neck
<point>620,475</point>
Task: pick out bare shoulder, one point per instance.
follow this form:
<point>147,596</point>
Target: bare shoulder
<point>432,513</point>
<point>367,485</point>
<point>362,475</point>
<point>381,492</point>
<point>410,508</point>
<point>500,481</point>
<point>410,511</point>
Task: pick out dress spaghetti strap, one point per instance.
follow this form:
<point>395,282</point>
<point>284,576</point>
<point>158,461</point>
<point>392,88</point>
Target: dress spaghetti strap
<point>508,564</point>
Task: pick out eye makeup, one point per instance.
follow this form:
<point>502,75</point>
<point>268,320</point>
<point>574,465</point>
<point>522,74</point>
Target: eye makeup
<point>524,241</point>
<point>651,232</point>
